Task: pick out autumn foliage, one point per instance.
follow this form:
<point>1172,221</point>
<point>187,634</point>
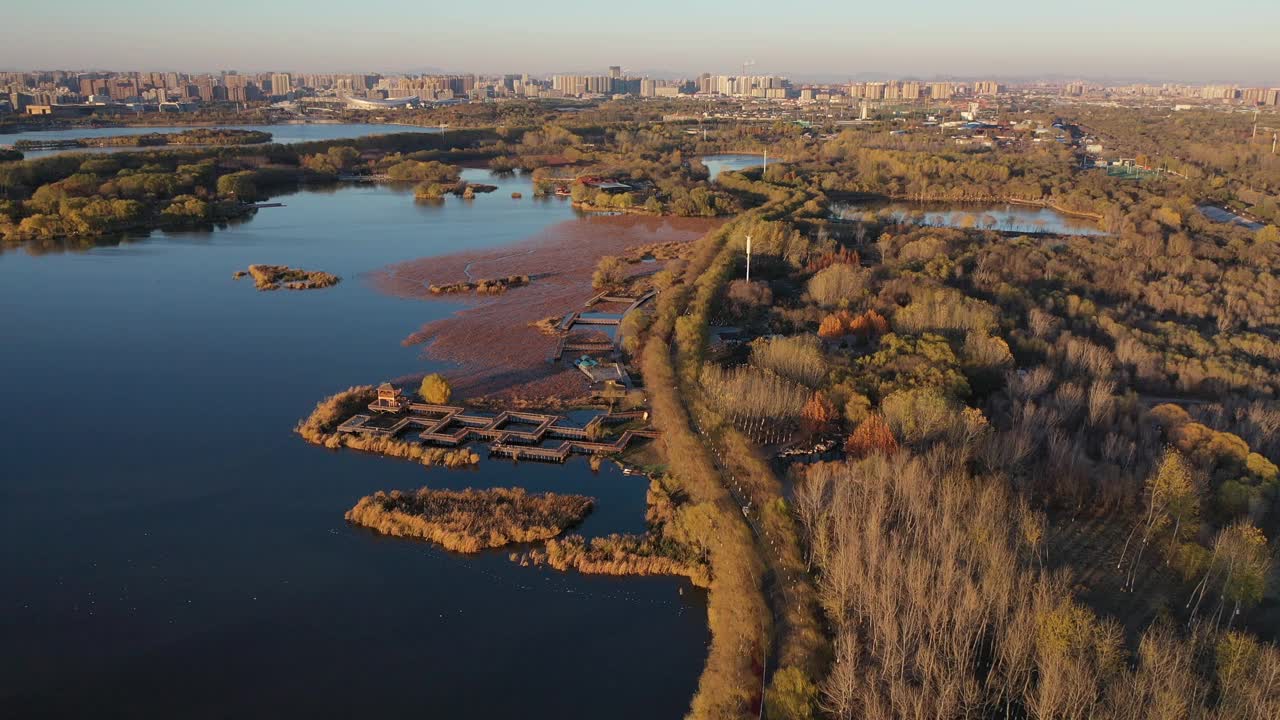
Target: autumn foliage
<point>843,256</point>
<point>869,324</point>
<point>818,414</point>
<point>871,436</point>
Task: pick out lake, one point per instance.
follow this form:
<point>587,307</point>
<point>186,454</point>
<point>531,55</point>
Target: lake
<point>1006,217</point>
<point>284,133</point>
<point>172,549</point>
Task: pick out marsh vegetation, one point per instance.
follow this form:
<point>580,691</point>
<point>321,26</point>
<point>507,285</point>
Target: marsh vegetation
<point>470,520</point>
<point>275,277</point>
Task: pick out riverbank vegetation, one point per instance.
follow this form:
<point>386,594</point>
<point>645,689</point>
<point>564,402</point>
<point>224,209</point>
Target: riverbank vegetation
<point>194,136</point>
<point>95,196</point>
<point>470,520</point>
<point>758,605</point>
<point>274,277</point>
<point>672,545</point>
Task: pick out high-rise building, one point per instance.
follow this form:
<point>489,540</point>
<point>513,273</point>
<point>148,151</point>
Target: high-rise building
<point>987,87</point>
<point>943,90</point>
<point>1254,96</point>
<point>281,84</point>
<point>1218,92</point>
<point>615,71</point>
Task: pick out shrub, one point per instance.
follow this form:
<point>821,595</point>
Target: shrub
<point>610,273</point>
<point>435,389</point>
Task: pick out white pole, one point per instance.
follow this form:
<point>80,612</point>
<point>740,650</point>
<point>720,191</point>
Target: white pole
<point>748,258</point>
<point>766,162</point>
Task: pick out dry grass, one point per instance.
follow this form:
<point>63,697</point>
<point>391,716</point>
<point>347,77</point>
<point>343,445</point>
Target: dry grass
<point>274,277</point>
<point>470,520</point>
<point>616,555</point>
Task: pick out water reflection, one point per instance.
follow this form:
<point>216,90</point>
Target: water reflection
<point>1002,217</point>
<point>175,551</point>
<point>717,164</point>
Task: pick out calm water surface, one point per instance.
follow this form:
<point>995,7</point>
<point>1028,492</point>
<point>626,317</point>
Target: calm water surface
<point>994,216</point>
<point>171,549</point>
<point>717,164</point>
<point>284,133</point>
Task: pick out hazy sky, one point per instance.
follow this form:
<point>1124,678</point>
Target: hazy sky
<point>1224,40</point>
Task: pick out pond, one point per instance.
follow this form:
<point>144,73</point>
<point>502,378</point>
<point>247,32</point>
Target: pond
<point>717,164</point>
<point>1005,217</point>
<point>174,550</point>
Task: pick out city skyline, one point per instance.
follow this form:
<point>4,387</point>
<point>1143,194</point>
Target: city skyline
<point>1142,40</point>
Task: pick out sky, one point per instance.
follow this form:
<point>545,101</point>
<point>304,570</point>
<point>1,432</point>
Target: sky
<point>1162,40</point>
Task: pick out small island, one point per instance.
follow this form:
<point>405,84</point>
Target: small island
<point>193,137</point>
<point>470,520</point>
<point>274,277</point>
<point>461,188</point>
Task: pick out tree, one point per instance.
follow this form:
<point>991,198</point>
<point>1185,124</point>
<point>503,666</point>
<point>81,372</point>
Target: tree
<point>610,273</point>
<point>238,184</point>
<point>1245,563</point>
<point>1172,496</point>
<point>435,389</point>
<point>869,324</point>
<point>417,171</point>
<point>871,436</point>
<point>818,414</point>
<point>919,414</point>
<point>837,283</point>
<point>833,326</point>
<point>791,695</point>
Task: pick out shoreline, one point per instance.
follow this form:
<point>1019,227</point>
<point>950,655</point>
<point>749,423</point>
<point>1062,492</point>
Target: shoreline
<point>490,342</point>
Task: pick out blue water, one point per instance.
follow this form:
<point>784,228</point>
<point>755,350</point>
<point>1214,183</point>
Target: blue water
<point>717,164</point>
<point>285,133</point>
<point>1005,217</point>
<point>172,549</point>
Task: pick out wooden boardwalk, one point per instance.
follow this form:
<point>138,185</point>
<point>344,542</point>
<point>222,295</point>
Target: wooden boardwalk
<point>511,433</point>
<point>613,319</point>
<point>561,452</point>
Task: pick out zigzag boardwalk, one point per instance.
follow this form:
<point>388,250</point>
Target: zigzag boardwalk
<point>512,433</point>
